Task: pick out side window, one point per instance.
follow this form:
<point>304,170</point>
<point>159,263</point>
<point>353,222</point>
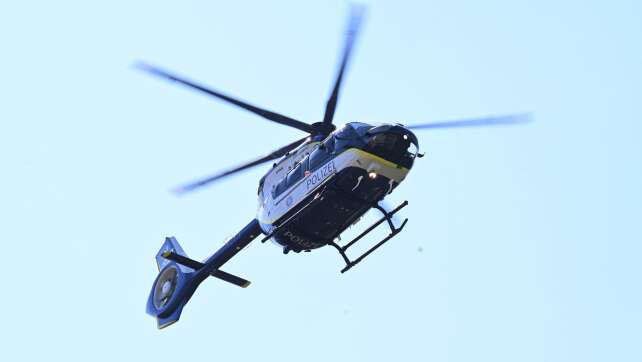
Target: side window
<point>280,187</point>
<point>295,175</point>
<point>317,158</point>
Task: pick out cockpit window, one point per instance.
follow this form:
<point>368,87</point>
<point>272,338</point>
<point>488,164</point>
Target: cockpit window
<point>384,141</point>
<point>395,147</point>
<point>361,128</point>
<point>412,150</point>
<point>345,132</point>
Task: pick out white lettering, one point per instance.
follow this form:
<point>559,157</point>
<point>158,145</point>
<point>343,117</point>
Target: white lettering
<point>320,175</point>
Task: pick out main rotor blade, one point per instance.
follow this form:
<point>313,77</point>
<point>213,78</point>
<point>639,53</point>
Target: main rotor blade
<point>272,116</point>
<point>479,122</point>
<point>354,22</point>
<point>271,156</point>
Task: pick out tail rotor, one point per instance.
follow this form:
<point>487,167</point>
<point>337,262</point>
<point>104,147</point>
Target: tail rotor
<point>173,286</point>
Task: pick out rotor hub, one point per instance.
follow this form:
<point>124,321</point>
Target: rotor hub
<point>320,128</point>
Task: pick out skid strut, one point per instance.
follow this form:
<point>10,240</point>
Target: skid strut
<point>387,216</point>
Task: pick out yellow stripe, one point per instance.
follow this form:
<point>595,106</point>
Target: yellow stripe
<point>385,162</point>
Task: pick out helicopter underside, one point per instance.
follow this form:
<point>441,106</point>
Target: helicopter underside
<point>325,214</point>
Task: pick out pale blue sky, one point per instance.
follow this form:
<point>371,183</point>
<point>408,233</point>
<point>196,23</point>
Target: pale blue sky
<point>523,243</point>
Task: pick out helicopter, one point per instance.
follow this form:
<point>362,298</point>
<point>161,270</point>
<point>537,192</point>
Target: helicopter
<point>315,189</point>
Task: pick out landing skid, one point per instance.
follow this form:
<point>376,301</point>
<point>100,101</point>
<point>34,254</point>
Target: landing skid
<point>387,216</point>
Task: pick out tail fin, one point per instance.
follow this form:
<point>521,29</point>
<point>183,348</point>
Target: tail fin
<point>173,286</point>
<point>170,245</point>
<point>177,279</point>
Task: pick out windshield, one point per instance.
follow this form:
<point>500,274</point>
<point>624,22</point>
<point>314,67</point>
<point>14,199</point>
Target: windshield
<point>412,150</point>
<point>395,147</point>
<point>384,141</point>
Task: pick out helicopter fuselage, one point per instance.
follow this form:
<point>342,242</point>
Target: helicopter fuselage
<point>318,190</point>
<point>322,184</point>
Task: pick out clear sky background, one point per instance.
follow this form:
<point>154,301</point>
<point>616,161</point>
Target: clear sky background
<point>524,243</point>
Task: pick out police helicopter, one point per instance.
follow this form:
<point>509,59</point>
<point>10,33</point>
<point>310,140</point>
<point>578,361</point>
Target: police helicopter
<point>315,189</point>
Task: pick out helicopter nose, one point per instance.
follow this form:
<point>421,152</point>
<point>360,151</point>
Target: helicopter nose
<point>394,129</point>
<point>393,143</point>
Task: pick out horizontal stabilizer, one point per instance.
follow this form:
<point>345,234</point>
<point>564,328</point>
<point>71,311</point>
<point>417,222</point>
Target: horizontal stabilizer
<point>196,265</point>
<point>231,278</point>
